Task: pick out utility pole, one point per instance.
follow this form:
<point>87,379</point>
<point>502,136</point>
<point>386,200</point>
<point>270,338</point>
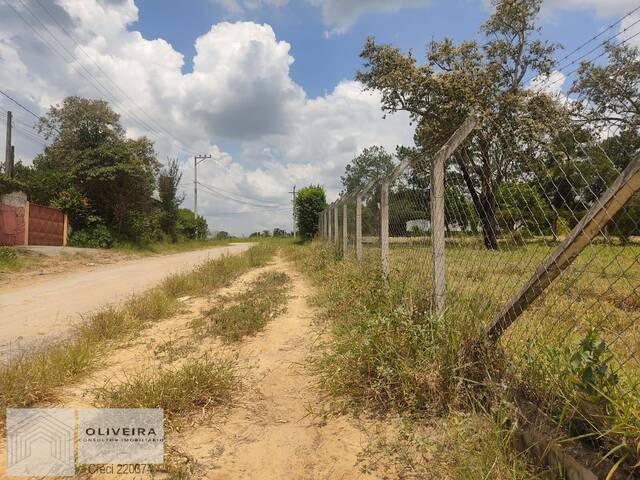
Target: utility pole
<point>8,156</point>
<point>197,160</point>
<point>293,202</point>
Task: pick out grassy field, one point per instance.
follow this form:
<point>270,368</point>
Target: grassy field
<point>573,353</point>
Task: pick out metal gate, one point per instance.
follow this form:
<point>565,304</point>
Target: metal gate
<point>46,226</point>
<point>11,225</point>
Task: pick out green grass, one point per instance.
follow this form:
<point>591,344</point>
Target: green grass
<point>9,260</point>
<point>168,247</point>
<point>196,385</point>
<point>384,351</point>
<point>34,377</point>
<point>249,311</point>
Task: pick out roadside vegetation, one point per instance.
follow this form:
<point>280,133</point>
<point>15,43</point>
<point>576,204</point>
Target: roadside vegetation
<point>32,378</point>
<point>247,312</point>
<point>9,260</point>
<point>196,385</point>
<point>382,353</point>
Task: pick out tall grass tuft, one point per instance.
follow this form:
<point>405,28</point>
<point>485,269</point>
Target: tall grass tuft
<point>196,385</point>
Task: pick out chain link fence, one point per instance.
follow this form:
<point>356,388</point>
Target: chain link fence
<point>519,234</point>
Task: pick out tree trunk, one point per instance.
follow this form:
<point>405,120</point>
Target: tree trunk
<point>485,206</point>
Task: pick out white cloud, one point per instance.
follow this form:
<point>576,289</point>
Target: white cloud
<point>601,7</point>
<point>239,94</point>
<point>338,15</point>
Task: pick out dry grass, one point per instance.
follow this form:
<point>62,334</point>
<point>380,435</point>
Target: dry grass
<point>570,353</point>
<point>197,385</point>
<point>33,378</point>
<point>249,311</point>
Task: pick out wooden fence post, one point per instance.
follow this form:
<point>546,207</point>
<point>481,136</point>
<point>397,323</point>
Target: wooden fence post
<point>336,225</point>
<point>345,229</point>
<point>359,227</point>
<point>65,230</point>
<point>609,203</point>
<point>384,227</point>
<point>438,284</point>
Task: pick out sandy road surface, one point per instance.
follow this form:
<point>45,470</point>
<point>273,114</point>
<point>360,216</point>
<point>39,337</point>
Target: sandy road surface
<point>47,309</point>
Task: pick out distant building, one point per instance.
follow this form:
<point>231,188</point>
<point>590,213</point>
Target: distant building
<point>420,226</point>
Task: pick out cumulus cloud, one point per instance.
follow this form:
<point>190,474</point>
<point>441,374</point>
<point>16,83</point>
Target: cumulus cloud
<point>239,94</point>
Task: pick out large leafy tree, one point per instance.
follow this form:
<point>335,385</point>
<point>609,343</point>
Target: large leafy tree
<point>115,175</point>
<point>372,162</point>
<point>611,92</point>
<point>486,78</point>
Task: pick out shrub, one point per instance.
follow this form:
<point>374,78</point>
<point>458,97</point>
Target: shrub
<point>96,236</point>
<point>309,202</point>
<point>8,257</point>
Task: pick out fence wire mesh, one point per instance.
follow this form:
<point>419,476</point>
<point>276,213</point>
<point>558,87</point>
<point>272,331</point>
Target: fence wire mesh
<point>513,197</point>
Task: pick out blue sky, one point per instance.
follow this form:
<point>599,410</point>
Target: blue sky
<point>322,61</point>
<point>265,86</point>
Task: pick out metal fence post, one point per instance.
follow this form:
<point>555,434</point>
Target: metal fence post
<point>359,227</point>
<point>384,227</point>
<point>437,235</point>
<point>345,229</point>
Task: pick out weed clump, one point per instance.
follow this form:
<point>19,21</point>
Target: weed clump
<point>196,385</point>
<point>250,310</point>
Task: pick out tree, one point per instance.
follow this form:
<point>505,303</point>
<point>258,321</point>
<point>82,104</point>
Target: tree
<point>373,162</point>
<point>278,232</point>
<point>168,184</point>
<point>191,227</point>
<point>308,204</point>
<point>611,91</point>
<point>222,235</point>
<point>90,153</point>
<point>487,79</point>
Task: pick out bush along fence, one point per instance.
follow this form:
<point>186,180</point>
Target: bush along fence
<point>533,236</point>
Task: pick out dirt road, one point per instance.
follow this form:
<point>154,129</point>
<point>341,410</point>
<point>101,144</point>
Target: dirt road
<point>269,433</point>
<point>48,308</point>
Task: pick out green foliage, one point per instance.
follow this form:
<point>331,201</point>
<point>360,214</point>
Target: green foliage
<point>94,236</point>
<point>519,205</point>
<point>309,202</point>
<point>373,162</point>
<point>222,235</point>
<point>8,185</point>
<point>191,227</point>
<point>91,169</point>
<point>143,227</point>
<point>8,257</point>
<point>590,367</point>
<point>610,91</point>
<point>168,184</point>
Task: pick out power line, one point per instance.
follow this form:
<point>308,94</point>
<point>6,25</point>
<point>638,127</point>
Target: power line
<point>224,214</point>
<point>106,76</point>
<point>214,191</point>
<point>100,88</point>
